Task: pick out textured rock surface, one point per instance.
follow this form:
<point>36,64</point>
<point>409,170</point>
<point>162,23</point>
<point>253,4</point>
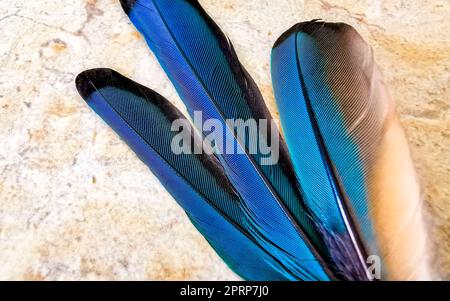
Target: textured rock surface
<point>75,203</point>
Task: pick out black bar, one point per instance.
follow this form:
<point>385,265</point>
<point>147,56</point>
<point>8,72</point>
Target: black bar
<point>227,290</point>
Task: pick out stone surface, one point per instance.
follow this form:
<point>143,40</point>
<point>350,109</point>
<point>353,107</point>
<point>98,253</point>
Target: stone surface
<point>75,201</point>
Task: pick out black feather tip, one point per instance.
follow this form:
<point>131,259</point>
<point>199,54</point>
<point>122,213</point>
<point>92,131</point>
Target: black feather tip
<point>312,28</point>
<point>90,80</point>
<point>302,26</point>
<point>127,5</point>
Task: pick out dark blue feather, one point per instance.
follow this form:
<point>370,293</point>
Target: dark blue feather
<point>308,61</point>
<point>143,119</point>
<point>350,154</point>
<point>202,65</point>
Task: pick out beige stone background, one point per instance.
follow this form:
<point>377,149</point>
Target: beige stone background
<point>75,202</point>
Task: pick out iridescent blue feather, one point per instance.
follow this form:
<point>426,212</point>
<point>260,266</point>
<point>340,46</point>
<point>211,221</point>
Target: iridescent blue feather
<point>143,119</point>
<point>322,75</point>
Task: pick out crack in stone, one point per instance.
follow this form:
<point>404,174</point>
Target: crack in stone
<point>356,16</point>
<point>91,12</point>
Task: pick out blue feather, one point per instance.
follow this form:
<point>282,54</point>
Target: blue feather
<point>349,151</point>
<point>317,78</point>
<point>201,63</point>
<point>143,119</point>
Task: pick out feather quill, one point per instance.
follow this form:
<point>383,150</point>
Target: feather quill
<point>348,149</point>
<point>202,64</point>
<point>143,119</point>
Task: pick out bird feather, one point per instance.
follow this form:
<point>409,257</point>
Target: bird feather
<point>348,149</point>
<point>143,119</point>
